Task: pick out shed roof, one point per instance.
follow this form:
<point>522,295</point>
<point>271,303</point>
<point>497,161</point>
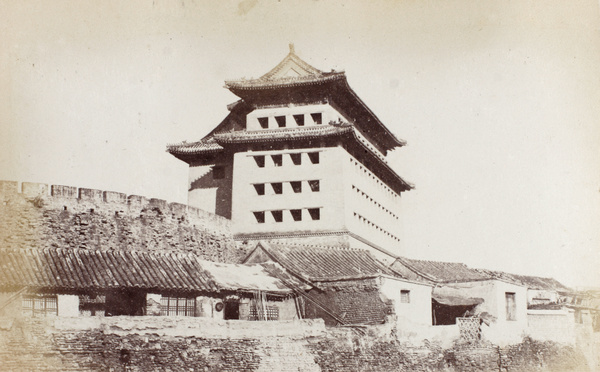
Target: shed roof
<point>322,264</point>
<point>81,270</point>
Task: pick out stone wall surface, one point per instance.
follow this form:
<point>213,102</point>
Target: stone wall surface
<point>192,344</point>
<point>67,217</point>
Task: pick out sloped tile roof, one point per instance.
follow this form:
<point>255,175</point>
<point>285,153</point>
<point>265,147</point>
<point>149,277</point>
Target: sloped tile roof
<point>81,269</point>
<point>443,271</point>
<point>531,282</point>
<point>325,263</point>
<point>446,272</point>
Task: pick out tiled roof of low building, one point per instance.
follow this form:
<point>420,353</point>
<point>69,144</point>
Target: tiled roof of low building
<point>325,263</point>
<point>81,270</point>
<point>531,282</point>
<point>447,272</point>
<point>443,272</point>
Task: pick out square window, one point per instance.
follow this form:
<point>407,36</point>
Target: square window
<point>296,158</point>
<point>260,217</point>
<point>405,296</point>
<point>314,157</point>
<point>317,118</point>
<point>299,120</point>
<point>277,216</point>
<point>183,306</point>
<point>315,213</point>
<point>315,185</point>
<point>280,121</point>
<point>277,187</point>
<point>296,214</point>
<point>260,188</point>
<point>260,161</point>
<point>39,305</point>
<point>296,186</point>
<point>277,160</point>
<point>218,172</point>
<point>264,122</point>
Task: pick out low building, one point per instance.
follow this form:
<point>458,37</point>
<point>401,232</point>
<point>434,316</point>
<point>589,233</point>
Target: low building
<point>461,291</point>
<point>349,286</point>
<point>79,282</point>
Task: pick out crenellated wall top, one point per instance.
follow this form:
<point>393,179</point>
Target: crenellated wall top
<point>77,198</point>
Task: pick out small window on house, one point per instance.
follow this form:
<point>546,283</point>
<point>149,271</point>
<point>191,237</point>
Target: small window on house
<point>405,296</point>
<point>264,122</point>
<point>260,217</point>
<point>299,120</point>
<point>280,121</point>
<point>260,188</point>
<point>296,214</point>
<point>260,161</point>
<point>277,187</point>
<point>39,305</point>
<point>277,216</point>
<point>296,186</point>
<point>317,118</point>
<point>578,317</point>
<point>314,157</point>
<point>314,185</point>
<point>511,306</point>
<point>174,306</point>
<point>296,158</point>
<point>315,213</point>
<point>271,313</point>
<point>277,160</point>
<point>218,172</point>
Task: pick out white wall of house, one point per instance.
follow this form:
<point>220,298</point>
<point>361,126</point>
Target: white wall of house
<point>206,307</point>
<point>494,293</point>
<point>541,296</point>
<point>551,325</point>
<point>418,308</point>
<point>68,305</point>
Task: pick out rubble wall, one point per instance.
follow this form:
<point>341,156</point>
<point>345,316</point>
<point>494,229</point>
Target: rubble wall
<point>36,215</point>
<point>194,344</point>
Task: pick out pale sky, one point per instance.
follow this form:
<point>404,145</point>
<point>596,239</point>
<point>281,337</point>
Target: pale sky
<point>499,101</point>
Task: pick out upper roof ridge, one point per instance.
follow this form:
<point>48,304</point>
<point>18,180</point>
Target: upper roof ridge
<point>291,67</point>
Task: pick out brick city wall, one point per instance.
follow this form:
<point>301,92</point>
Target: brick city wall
<point>42,216</point>
<point>195,344</point>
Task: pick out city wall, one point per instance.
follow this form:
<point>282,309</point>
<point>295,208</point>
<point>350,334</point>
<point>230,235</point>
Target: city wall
<point>34,215</point>
<point>197,344</point>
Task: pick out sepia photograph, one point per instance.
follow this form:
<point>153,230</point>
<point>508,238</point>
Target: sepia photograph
<point>318,185</point>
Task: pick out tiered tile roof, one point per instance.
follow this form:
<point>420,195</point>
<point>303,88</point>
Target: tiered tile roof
<point>76,270</point>
<point>291,71</point>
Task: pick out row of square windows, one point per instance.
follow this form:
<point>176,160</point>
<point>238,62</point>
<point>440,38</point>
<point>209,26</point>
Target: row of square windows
<point>281,120</point>
<point>295,214</point>
<point>277,159</point>
<point>296,186</point>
